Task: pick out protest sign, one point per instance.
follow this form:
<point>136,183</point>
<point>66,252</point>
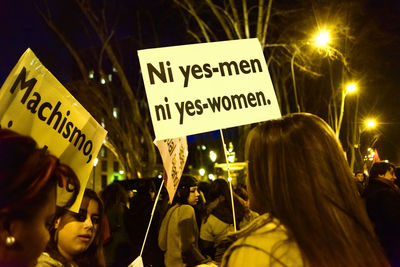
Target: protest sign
<point>33,102</point>
<point>203,87</point>
<point>174,153</point>
<point>138,262</point>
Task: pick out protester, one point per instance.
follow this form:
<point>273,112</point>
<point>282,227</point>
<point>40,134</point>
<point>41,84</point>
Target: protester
<point>250,215</point>
<point>137,220</point>
<point>219,219</point>
<point>117,249</point>
<point>361,180</point>
<point>28,181</point>
<point>76,238</point>
<point>311,214</point>
<point>178,235</point>
<point>382,198</point>
<point>200,209</point>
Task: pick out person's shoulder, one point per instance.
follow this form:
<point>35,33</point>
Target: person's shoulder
<point>263,251</point>
<point>45,260</point>
<point>377,189</point>
<point>186,208</point>
<point>263,228</point>
<point>266,240</point>
<point>212,219</point>
<point>185,212</point>
<point>245,255</point>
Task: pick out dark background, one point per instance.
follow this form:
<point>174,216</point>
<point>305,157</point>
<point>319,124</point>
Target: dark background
<point>377,57</point>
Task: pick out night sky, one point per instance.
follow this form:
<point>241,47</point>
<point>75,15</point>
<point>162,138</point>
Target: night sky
<point>378,58</point>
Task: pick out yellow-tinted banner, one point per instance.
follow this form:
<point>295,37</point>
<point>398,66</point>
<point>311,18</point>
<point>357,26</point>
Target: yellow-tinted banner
<point>33,102</point>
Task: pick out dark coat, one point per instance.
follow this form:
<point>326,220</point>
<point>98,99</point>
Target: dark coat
<point>383,206</point>
<point>136,220</point>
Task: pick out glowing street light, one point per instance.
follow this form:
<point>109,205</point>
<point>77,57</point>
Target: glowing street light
<point>202,172</point>
<point>370,123</point>
<point>351,87</point>
<point>213,156</point>
<point>322,39</point>
<point>211,177</point>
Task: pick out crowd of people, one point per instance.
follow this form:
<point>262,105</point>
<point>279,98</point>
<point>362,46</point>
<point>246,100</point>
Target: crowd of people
<point>301,206</point>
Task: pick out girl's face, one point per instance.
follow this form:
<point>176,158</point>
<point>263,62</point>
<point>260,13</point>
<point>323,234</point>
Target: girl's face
<point>31,236</point>
<point>193,196</point>
<point>76,231</point>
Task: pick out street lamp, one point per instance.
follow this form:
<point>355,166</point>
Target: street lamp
<point>366,126</point>
<point>350,88</point>
<point>213,156</point>
<point>211,177</point>
<point>370,123</point>
<point>202,171</point>
<point>321,41</point>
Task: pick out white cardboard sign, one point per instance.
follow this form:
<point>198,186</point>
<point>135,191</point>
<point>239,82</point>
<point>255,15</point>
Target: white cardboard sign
<point>203,87</point>
<point>33,102</point>
<point>174,153</point>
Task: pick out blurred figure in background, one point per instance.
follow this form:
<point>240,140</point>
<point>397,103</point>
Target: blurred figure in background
<point>361,181</point>
<point>310,211</point>
<point>137,219</point>
<point>179,232</point>
<point>117,249</point>
<point>76,238</point>
<point>382,198</point>
<point>201,207</point>
<point>28,181</point>
<point>219,219</point>
<point>250,215</point>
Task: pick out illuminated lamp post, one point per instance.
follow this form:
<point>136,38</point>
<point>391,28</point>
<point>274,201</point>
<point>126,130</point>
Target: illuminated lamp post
<point>368,125</point>
<point>321,41</point>
<point>350,88</point>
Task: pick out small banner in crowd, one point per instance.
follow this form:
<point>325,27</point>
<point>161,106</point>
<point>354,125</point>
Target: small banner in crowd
<point>203,87</point>
<point>33,102</point>
<point>174,153</point>
<point>138,262</point>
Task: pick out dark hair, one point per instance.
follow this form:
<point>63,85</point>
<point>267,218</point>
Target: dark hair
<point>380,168</point>
<point>113,195</point>
<point>241,191</point>
<point>93,256</point>
<point>219,188</point>
<point>204,187</point>
<point>397,173</point>
<point>297,172</point>
<point>183,191</point>
<point>27,176</point>
<point>145,186</point>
